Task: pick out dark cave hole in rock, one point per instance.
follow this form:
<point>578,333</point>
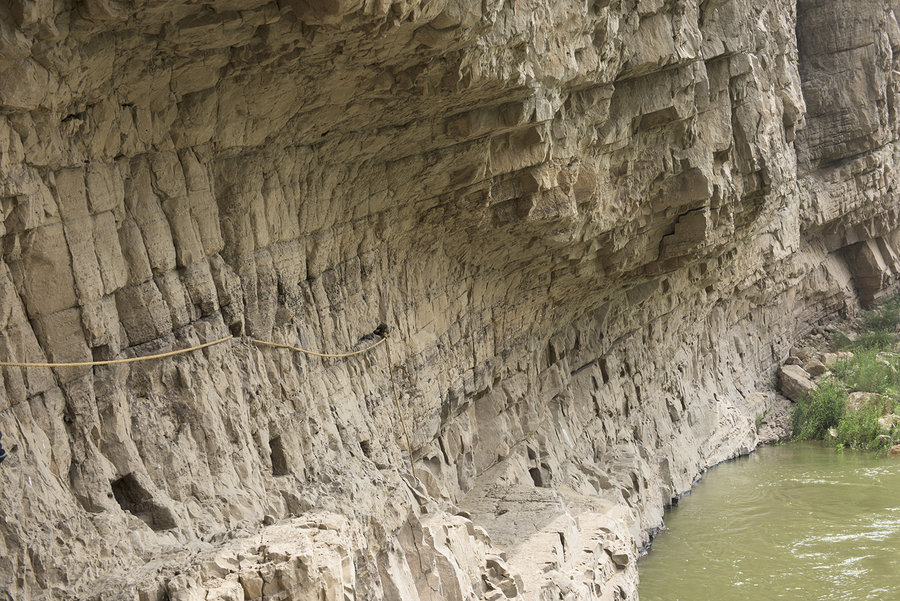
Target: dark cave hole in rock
<point>597,6</point>
<point>102,352</point>
<point>137,500</point>
<point>366,447</point>
<point>552,355</point>
<point>537,477</point>
<point>604,370</point>
<point>279,459</point>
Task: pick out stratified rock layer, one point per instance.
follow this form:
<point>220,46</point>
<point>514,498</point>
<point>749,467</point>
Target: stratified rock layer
<point>595,228</point>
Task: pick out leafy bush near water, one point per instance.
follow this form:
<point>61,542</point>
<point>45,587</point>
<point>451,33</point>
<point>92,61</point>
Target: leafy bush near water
<point>874,367</point>
<point>860,429</point>
<point>820,411</point>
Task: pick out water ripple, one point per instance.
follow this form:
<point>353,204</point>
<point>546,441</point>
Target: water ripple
<point>798,523</point>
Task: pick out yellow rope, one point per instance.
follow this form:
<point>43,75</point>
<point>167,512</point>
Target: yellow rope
<point>359,352</point>
<point>412,465</point>
<point>117,361</point>
<point>315,354</point>
<point>255,341</point>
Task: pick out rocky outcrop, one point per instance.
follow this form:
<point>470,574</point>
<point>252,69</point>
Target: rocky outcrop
<point>795,382</point>
<point>595,228</point>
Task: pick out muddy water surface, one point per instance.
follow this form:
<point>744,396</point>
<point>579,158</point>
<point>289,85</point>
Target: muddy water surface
<point>797,521</point>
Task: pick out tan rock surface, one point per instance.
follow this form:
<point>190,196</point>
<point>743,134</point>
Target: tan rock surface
<point>596,229</point>
<point>795,383</point>
<point>861,400</point>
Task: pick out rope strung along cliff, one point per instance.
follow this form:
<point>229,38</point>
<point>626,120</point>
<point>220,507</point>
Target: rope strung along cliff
<point>315,354</point>
<point>117,361</point>
<point>3,453</point>
<point>382,331</point>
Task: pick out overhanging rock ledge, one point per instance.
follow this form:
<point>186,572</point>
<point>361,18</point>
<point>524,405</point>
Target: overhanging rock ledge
<point>595,227</point>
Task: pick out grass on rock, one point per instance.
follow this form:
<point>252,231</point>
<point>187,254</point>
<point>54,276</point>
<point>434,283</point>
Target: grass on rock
<point>873,367</point>
<point>820,411</point>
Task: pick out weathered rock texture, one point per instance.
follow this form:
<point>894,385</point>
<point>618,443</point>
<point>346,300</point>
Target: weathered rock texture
<point>596,228</point>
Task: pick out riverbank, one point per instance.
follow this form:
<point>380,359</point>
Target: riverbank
<point>839,387</point>
<point>846,386</point>
<point>792,521</point>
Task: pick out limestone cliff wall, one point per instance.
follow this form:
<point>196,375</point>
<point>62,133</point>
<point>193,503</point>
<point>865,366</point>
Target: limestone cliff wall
<point>594,226</point>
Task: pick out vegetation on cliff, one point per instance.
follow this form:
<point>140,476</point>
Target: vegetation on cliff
<point>854,404</point>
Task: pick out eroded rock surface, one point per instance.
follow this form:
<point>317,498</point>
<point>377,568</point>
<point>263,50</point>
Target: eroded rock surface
<point>596,229</point>
<point>795,382</point>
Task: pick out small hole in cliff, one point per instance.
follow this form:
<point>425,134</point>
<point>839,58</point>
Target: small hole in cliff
<point>552,356</point>
<point>279,459</point>
<point>597,6</point>
<point>537,477</point>
<point>604,370</point>
<point>366,447</point>
<point>101,353</point>
<point>635,482</point>
<point>136,500</point>
<point>236,329</point>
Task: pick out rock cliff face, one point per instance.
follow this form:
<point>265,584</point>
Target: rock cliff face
<point>594,228</point>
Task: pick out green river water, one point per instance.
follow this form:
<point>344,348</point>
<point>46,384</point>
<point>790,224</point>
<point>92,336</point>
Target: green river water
<point>799,521</point>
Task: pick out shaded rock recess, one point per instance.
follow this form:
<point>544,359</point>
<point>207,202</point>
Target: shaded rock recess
<point>595,227</point>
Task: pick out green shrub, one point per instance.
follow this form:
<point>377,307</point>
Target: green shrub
<point>866,372</point>
<point>885,317</point>
<point>823,409</point>
<point>877,340</point>
<point>877,332</point>
<point>860,429</point>
<point>840,341</point>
